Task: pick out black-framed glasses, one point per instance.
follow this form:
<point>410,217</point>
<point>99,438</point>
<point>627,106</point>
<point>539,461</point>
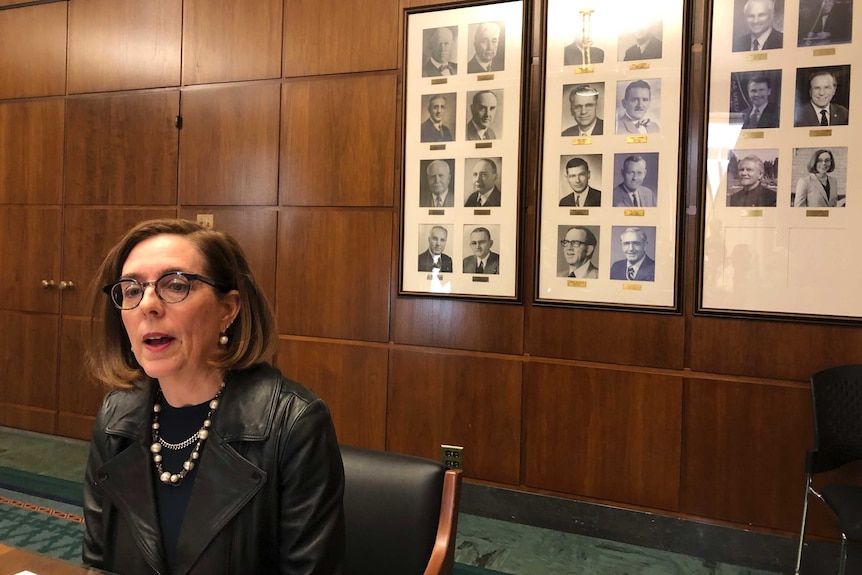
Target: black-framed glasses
<point>172,287</point>
<point>572,243</point>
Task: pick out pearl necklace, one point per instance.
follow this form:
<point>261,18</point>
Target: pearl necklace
<point>174,479</point>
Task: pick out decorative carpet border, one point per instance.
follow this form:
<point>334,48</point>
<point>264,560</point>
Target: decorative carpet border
<point>42,509</point>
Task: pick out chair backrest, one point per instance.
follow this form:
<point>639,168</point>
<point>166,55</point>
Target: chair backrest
<point>836,396</point>
<point>394,506</point>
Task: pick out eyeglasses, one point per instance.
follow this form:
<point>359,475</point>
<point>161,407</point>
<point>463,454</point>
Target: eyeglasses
<point>572,243</point>
<point>172,287</point>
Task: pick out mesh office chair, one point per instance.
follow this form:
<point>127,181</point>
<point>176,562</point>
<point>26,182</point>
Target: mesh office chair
<point>400,513</point>
<point>836,396</point>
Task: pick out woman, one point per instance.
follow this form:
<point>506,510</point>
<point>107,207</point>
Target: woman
<point>204,458</point>
<point>818,189</point>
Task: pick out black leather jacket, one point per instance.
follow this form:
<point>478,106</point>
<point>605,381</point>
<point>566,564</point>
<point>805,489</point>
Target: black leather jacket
<point>267,498</point>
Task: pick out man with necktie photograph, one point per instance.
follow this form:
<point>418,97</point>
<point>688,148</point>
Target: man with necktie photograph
<point>757,29</point>
<point>634,115</point>
<point>816,92</point>
<point>578,247</point>
<point>434,128</point>
<point>439,57</point>
<point>636,264</point>
<point>631,191</point>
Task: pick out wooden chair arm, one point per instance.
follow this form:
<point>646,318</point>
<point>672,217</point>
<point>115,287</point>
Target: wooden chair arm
<point>442,561</point>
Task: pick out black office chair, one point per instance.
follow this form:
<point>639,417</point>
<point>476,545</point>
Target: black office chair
<point>400,512</point>
<point>836,396</point>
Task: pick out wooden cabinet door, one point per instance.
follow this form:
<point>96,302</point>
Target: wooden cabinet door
<point>33,51</point>
<point>29,255</point>
<point>31,152</point>
<point>229,146</point>
<point>124,45</point>
<point>122,149</point>
<point>228,40</point>
<point>89,234</point>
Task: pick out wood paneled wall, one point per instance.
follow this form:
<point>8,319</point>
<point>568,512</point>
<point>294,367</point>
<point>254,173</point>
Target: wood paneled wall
<point>290,139</point>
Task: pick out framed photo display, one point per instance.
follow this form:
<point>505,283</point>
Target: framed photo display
<point>462,146</point>
<point>611,153</point>
<point>779,213</point>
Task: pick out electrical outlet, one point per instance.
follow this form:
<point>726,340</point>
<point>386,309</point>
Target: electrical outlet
<point>452,456</point>
<point>205,220</point>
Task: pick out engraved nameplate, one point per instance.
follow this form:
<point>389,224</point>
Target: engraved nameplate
<point>636,140</point>
<point>634,212</point>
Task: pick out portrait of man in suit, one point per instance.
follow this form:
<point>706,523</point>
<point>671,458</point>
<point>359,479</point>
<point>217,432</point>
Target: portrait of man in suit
<point>434,128</point>
<point>483,178</point>
<point>483,260</point>
<point>630,192</point>
<point>577,177</point>
<point>759,30</point>
<point>823,22</point>
<point>435,189</point>
<point>817,107</point>
<point>762,109</point>
<point>439,57</point>
<point>483,110</point>
<point>584,107</point>
<point>433,259</point>
<point>752,191</point>
<point>636,264</point>
<point>634,116</point>
<point>489,53</point>
<point>647,42</point>
<point>578,246</point>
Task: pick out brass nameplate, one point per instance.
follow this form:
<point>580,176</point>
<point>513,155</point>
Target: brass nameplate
<point>824,51</point>
<point>582,141</point>
<point>818,133</point>
<point>484,77</point>
<point>636,140</point>
<point>639,66</point>
<point>484,144</point>
<point>757,56</point>
<point>483,212</point>
<point>632,287</point>
<point>751,213</point>
<point>634,212</point>
<point>438,146</point>
<point>816,213</point>
<point>579,212</point>
<point>584,70</point>
<point>576,283</point>
<point>481,279</point>
<point>439,81</point>
<point>436,212</point>
<point>748,135</point>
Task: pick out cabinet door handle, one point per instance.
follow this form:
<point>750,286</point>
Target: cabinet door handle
<point>47,284</point>
<point>66,285</point>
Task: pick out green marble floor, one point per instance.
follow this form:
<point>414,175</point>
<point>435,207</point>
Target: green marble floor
<point>493,545</point>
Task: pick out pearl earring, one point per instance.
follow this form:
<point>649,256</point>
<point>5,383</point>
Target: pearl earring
<point>223,339</point>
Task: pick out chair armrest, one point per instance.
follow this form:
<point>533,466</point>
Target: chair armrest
<point>442,561</point>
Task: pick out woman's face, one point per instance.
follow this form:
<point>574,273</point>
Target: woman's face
<point>823,164</point>
<point>173,341</point>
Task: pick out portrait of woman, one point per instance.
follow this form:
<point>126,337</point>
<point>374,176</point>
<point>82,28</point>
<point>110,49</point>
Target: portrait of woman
<point>818,189</point>
<point>204,458</point>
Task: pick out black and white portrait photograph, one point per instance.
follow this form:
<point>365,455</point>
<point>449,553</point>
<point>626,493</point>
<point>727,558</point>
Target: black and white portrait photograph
<point>758,25</point>
<point>482,256</point>
<point>633,253</point>
<point>578,255</point>
<point>434,258</point>
<point>436,183</point>
<point>755,99</point>
<point>823,22</point>
<point>636,180</point>
<point>439,53</point>
<point>575,53</point>
<point>583,110</point>
<point>822,96</point>
<point>752,178</point>
<point>642,39</point>
<point>482,182</point>
<point>487,47</point>
<point>820,177</point>
<point>484,115</point>
<point>638,106</point>
<point>579,176</point>
<point>438,118</point>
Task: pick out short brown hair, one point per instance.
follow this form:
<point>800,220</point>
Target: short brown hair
<point>252,335</point>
